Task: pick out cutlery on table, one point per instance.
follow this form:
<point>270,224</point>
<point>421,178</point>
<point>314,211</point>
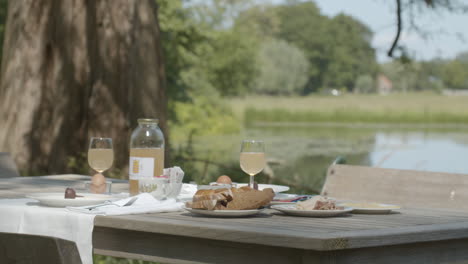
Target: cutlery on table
<point>128,203</point>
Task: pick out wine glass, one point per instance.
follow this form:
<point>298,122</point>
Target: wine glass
<point>252,158</point>
<point>100,154</point>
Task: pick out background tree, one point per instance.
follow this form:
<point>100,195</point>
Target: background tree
<point>303,25</point>
<point>232,63</point>
<point>337,49</point>
<point>260,21</point>
<point>455,75</point>
<point>463,57</point>
<point>203,65</point>
<point>364,84</point>
<point>282,69</point>
<point>350,52</point>
<point>202,53</point>
<point>72,69</point>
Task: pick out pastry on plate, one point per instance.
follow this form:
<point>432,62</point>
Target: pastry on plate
<point>244,198</point>
<point>318,203</point>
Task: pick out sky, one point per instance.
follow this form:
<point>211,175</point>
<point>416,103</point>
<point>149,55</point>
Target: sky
<point>449,32</point>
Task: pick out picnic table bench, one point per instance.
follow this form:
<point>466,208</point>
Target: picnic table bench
<point>413,235</point>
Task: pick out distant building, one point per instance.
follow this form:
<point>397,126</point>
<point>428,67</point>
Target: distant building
<point>384,85</point>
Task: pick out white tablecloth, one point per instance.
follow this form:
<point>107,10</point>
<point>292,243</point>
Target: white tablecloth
<point>143,203</point>
<point>25,216</point>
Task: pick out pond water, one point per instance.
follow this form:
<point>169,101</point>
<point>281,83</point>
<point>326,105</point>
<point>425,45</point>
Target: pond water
<point>299,156</point>
<point>442,152</point>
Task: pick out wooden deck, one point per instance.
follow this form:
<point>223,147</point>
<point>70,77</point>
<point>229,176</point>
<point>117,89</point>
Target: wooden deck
<point>413,235</point>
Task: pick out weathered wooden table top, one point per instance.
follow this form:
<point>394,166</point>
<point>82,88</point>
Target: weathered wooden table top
<point>275,229</point>
<point>270,228</point>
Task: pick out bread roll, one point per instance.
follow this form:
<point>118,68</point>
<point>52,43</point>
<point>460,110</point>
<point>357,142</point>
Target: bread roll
<point>253,199</point>
<point>217,195</point>
<point>204,204</point>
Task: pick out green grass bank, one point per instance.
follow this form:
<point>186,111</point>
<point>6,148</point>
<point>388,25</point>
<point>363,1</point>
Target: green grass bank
<point>414,108</point>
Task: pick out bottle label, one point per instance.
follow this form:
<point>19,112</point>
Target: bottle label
<point>141,167</point>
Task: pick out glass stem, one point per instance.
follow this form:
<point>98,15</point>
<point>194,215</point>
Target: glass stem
<point>251,185</point>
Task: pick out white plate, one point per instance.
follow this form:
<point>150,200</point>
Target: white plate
<point>371,208</point>
<point>224,213</point>
<point>276,188</point>
<point>290,209</point>
<point>58,199</point>
<point>283,196</point>
<point>278,202</point>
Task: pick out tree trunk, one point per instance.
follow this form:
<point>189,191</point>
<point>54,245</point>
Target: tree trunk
<point>73,69</point>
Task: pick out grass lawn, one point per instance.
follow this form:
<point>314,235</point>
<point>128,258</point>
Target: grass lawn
<point>412,108</point>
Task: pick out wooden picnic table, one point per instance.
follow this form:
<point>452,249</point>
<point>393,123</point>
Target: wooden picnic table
<point>413,235</point>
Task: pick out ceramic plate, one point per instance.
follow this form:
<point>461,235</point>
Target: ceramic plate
<point>290,209</point>
<point>58,199</point>
<point>224,213</point>
<point>283,196</point>
<point>371,208</point>
<point>279,202</point>
<point>276,188</point>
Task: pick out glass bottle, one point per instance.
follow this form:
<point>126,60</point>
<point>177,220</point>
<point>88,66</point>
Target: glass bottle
<point>146,153</point>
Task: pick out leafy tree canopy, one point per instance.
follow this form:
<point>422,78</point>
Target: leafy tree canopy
<point>283,69</point>
<point>337,49</point>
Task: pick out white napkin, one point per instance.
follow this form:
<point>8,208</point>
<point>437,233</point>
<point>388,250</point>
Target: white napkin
<point>175,174</point>
<point>145,203</point>
<point>25,216</point>
<point>187,192</point>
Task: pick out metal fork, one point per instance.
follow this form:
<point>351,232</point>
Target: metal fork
<point>129,202</point>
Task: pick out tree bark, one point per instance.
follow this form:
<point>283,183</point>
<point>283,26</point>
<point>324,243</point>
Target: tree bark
<point>72,69</point>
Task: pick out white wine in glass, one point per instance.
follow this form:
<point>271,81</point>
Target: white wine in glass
<point>252,158</point>
<point>100,154</point>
